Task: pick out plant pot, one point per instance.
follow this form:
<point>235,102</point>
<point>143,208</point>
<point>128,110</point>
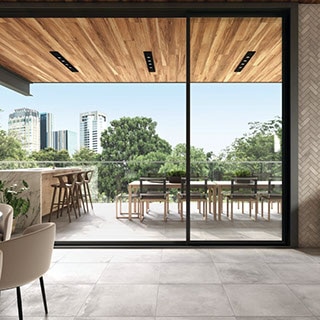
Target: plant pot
<point>174,179</point>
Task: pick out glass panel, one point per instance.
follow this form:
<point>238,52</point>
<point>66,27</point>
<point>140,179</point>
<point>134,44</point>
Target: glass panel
<point>236,127</point>
<point>145,123</point>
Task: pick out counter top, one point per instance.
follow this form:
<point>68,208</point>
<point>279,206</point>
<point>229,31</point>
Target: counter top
<point>42,170</point>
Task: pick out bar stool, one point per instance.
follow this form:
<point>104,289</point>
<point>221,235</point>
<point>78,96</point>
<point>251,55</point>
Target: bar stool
<point>67,197</point>
<point>80,192</point>
<point>87,176</point>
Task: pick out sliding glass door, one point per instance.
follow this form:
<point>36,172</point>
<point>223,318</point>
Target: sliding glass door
<point>236,127</point>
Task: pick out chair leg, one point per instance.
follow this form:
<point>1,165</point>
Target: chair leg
<point>19,303</point>
<point>43,292</point>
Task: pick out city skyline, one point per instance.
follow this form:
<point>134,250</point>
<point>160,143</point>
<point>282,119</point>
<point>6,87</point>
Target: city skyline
<point>219,112</point>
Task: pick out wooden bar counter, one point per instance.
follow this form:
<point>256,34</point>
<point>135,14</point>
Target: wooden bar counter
<point>39,193</point>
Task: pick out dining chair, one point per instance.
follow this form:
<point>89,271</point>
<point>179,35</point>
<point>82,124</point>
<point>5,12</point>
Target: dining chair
<point>273,195</point>
<point>124,197</point>
<point>26,258</point>
<point>198,193</point>
<point>6,221</point>
<point>243,190</point>
<point>153,190</point>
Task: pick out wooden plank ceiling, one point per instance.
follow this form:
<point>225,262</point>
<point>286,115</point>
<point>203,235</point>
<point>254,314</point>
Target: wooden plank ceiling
<point>111,49</point>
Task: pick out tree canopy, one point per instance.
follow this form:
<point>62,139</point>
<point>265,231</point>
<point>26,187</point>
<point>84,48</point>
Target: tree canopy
<point>50,154</point>
<point>176,161</point>
<point>10,148</point>
<point>258,143</point>
<point>124,141</point>
<point>85,154</point>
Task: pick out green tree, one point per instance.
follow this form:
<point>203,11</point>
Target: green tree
<point>50,155</point>
<point>85,154</point>
<point>10,148</point>
<point>146,165</point>
<point>177,161</point>
<point>123,141</point>
<point>257,145</point>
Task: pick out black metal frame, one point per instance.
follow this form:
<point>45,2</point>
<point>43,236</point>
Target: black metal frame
<point>289,14</point>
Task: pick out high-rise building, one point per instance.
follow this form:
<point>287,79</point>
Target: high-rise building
<point>46,134</point>
<point>24,125</point>
<point>92,124</point>
<point>65,140</point>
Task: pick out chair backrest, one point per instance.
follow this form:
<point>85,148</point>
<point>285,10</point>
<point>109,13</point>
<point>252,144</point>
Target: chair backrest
<point>198,185</point>
<point>27,257</point>
<point>152,185</point>
<point>275,186</point>
<point>244,185</point>
<point>6,221</point>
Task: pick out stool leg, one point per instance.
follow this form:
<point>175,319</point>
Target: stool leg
<point>52,202</point>
<point>89,193</point>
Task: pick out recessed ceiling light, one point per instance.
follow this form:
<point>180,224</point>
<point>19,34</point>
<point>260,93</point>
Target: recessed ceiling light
<point>64,61</point>
<point>149,61</point>
<point>244,61</point>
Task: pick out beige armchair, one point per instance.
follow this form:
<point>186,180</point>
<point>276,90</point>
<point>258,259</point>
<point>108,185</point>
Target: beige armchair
<point>0,263</point>
<point>27,258</point>
<point>6,221</point>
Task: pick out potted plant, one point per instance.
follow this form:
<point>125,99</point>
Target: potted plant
<point>12,195</point>
<point>242,173</point>
<point>175,176</point>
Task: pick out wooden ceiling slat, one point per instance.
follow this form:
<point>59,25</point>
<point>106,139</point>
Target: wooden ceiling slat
<point>111,49</point>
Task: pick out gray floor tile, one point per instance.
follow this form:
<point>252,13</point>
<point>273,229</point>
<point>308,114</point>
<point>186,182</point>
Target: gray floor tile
<point>88,255</point>
<point>264,300</point>
<point>114,318</point>
<point>174,272</point>
<point>138,255</point>
<point>309,295</point>
<point>236,255</point>
<point>195,318</point>
<point>279,255</point>
<point>63,301</point>
<point>253,272</point>
<point>75,272</point>
<point>300,273</point>
<point>186,255</point>
<point>129,273</point>
<point>192,300</point>
<point>121,300</point>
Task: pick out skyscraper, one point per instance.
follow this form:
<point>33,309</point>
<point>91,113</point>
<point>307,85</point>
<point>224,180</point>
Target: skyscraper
<point>24,125</point>
<point>92,124</point>
<point>46,134</point>
<point>65,140</point>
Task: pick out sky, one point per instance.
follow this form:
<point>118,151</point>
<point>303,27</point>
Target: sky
<point>220,112</point>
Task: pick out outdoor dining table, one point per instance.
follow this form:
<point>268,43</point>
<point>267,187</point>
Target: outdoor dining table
<point>215,189</point>
<point>134,187</point>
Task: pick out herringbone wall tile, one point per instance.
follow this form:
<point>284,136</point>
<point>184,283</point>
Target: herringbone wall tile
<point>309,125</point>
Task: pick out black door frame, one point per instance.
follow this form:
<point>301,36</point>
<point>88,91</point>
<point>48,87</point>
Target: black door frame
<point>289,14</point>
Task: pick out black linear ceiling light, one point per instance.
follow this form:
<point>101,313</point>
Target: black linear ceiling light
<point>149,61</point>
<point>244,61</point>
<point>64,61</point>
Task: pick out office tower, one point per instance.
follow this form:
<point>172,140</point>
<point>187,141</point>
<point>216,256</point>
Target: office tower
<point>92,124</point>
<point>24,125</point>
<point>65,140</point>
<point>46,130</point>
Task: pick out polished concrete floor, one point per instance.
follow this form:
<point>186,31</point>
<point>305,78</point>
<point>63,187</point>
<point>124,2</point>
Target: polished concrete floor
<point>172,284</point>
<point>101,224</point>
